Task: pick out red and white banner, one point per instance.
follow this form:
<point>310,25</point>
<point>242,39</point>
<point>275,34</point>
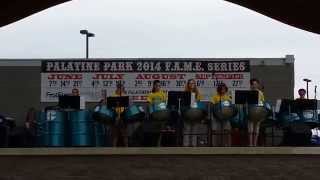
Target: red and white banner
<point>92,78</point>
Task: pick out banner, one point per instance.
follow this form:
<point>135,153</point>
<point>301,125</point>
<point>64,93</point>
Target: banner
<point>92,78</point>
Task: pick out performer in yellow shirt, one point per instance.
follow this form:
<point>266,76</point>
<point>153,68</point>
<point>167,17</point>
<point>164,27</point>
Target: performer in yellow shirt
<point>254,127</point>
<point>221,129</point>
<point>157,95</point>
<point>119,129</point>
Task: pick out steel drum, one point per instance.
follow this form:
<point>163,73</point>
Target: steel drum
<point>54,128</point>
<point>310,116</point>
<point>159,112</point>
<point>287,118</point>
<point>134,113</point>
<point>104,115</point>
<point>196,112</point>
<point>81,128</point>
<point>224,111</point>
<point>259,112</point>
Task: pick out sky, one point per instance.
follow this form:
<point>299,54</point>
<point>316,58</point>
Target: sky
<point>166,28</point>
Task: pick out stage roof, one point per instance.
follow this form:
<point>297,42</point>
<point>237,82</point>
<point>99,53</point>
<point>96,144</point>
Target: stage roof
<point>299,13</point>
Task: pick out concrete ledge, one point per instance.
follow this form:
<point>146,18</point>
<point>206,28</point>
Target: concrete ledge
<point>196,151</point>
<point>263,163</point>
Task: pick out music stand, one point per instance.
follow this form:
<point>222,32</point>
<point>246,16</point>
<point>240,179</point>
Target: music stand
<point>287,105</point>
<point>179,99</point>
<point>119,101</point>
<point>69,102</point>
<point>176,101</point>
<point>246,97</point>
<point>306,104</point>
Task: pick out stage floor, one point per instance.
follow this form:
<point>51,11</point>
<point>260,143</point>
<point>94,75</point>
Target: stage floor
<point>102,151</point>
<point>221,163</point>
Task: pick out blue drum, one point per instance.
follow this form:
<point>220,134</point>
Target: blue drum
<point>54,128</point>
<point>81,128</point>
<point>224,110</point>
<point>104,115</point>
<point>197,112</point>
<point>134,113</point>
<point>159,112</point>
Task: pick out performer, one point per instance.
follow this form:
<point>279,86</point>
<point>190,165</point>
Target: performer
<point>254,127</point>
<point>30,127</point>
<point>224,130</point>
<point>76,92</point>
<point>119,128</point>
<point>157,96</point>
<point>191,130</point>
<point>191,87</point>
<point>302,93</point>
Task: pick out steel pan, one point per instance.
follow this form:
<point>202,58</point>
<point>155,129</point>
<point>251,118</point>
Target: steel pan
<point>196,112</point>
<point>134,113</point>
<point>258,112</point>
<point>310,116</point>
<point>104,115</point>
<point>224,111</point>
<point>159,112</point>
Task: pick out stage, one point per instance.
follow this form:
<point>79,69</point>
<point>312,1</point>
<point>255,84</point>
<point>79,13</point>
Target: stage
<point>161,151</point>
<point>160,163</point>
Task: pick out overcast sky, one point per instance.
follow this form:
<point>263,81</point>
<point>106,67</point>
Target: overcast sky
<point>160,28</point>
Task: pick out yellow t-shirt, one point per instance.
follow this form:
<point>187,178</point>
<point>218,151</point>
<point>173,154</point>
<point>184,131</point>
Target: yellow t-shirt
<point>217,98</point>
<point>157,97</point>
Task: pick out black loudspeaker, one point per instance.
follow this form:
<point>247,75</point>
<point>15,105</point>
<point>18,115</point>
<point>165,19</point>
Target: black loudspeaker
<point>297,134</point>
